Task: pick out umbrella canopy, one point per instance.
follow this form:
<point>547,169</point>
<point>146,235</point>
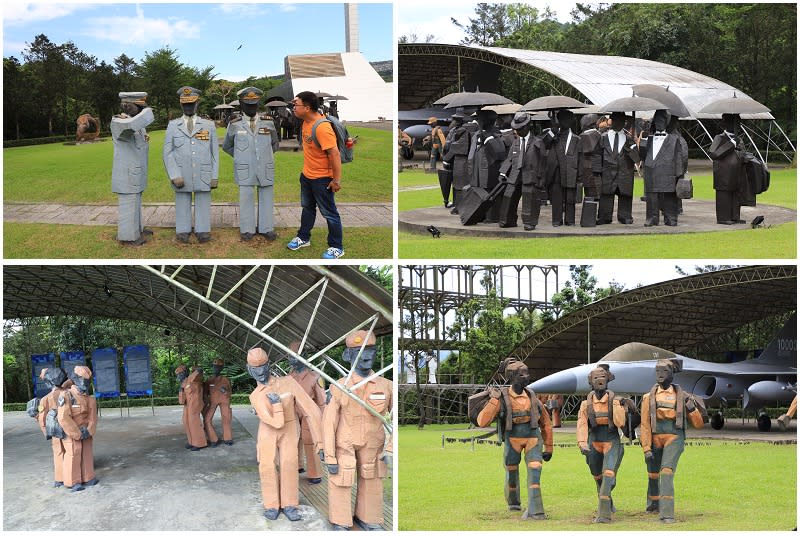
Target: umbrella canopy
<point>223,107</point>
<point>235,102</point>
<point>323,94</point>
<point>590,109</point>
<point>336,97</point>
<point>632,104</point>
<point>276,103</point>
<point>735,105</point>
<point>674,104</point>
<point>478,98</point>
<point>504,109</point>
<point>551,102</point>
<point>444,100</point>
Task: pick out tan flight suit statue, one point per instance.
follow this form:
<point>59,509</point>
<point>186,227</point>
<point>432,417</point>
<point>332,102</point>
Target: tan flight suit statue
<point>356,446</point>
<point>279,403</point>
<point>190,396</point>
<point>53,378</point>
<point>77,415</point>
<point>309,381</point>
<point>218,394</point>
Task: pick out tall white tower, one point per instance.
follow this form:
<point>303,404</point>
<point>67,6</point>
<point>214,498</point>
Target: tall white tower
<point>351,27</point>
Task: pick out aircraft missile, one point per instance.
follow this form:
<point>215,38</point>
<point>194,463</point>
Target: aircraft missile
<point>768,391</point>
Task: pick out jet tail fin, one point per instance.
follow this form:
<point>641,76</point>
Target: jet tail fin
<point>783,348</point>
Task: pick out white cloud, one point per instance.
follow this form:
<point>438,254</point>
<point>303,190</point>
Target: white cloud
<point>244,11</point>
<point>287,8</point>
<point>141,31</point>
<point>14,48</point>
<point>18,13</point>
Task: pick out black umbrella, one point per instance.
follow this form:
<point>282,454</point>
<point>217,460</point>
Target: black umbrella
<point>323,94</point>
<point>551,102</point>
<point>478,98</point>
<point>336,97</point>
<point>674,104</point>
<point>632,104</point>
<point>735,105</point>
<point>444,100</point>
<point>276,103</point>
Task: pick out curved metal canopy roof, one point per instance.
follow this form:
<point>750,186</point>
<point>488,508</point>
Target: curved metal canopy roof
<point>677,315</point>
<point>426,71</point>
<point>226,301</point>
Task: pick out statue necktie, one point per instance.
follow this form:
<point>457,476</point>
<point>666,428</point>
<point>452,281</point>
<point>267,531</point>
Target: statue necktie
<point>253,123</point>
<point>190,125</point>
<point>616,144</point>
<point>521,152</point>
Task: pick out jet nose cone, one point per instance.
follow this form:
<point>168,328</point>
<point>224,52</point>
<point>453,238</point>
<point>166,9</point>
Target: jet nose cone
<point>563,382</point>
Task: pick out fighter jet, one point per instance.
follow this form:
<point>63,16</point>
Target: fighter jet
<point>770,377</point>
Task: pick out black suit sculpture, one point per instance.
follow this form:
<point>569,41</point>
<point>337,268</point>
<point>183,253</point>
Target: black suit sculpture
<point>562,172</point>
<point>613,163</point>
<point>486,152</point>
<point>729,172</point>
<point>663,165</point>
<point>522,172</point>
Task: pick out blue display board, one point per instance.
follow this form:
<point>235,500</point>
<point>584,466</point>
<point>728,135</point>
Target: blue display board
<point>70,360</point>
<point>105,373</point>
<point>39,362</point>
<point>138,379</point>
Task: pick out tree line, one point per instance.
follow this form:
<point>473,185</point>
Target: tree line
<point>749,46</point>
<point>52,84</point>
<point>169,347</point>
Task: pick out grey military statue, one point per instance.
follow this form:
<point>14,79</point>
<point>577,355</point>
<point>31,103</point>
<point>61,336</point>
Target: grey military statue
<point>191,156</point>
<point>129,170</point>
<point>252,142</point>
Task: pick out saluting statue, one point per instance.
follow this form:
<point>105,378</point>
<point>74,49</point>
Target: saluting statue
<point>252,142</point>
<point>129,171</point>
<point>191,156</point>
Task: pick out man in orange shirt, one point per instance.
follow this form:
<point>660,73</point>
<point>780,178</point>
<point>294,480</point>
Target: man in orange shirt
<point>321,176</point>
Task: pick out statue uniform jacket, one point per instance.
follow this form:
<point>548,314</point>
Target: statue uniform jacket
<point>192,155</point>
<point>131,147</point>
<point>616,169</point>
<point>729,171</point>
<point>584,432</point>
<point>671,417</point>
<point>526,171</point>
<point>252,151</point>
<point>662,172</point>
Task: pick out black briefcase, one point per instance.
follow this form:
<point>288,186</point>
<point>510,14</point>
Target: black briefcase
<point>474,202</point>
<point>589,212</point>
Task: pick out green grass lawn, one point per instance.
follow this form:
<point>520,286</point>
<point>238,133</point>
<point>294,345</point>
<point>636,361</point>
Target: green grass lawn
<point>58,173</point>
<point>719,485</point>
<point>777,242</point>
<point>38,241</point>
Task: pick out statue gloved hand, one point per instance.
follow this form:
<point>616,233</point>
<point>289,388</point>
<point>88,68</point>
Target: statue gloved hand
<point>85,433</point>
<point>584,450</point>
<point>388,459</point>
<point>546,456</point>
<point>690,405</point>
<point>495,393</point>
<point>321,454</point>
<point>214,183</point>
<point>333,468</point>
<point>178,182</point>
<point>648,456</point>
<point>273,398</point>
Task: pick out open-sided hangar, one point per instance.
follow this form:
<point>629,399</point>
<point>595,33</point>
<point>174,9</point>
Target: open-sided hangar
<point>680,315</point>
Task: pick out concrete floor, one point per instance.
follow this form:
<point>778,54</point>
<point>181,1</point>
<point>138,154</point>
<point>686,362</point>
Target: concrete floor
<point>148,480</point>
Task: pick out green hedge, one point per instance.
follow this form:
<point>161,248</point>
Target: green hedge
<point>7,144</point>
<point>236,399</point>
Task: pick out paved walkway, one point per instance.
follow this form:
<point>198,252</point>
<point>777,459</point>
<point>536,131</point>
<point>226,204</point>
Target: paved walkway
<point>163,214</point>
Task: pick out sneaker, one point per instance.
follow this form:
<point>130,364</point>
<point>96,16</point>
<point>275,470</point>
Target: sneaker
<point>333,253</point>
<point>298,243</point>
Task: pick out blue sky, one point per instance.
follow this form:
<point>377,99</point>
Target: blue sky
<point>203,34</point>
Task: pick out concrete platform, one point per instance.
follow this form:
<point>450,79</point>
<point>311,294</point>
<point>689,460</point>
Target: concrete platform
<point>148,480</point>
<point>163,214</point>
<point>698,217</point>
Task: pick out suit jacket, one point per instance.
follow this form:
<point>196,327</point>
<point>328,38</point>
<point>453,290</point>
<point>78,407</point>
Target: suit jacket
<point>456,150</point>
<point>252,151</point>
<point>529,173</point>
<point>563,162</point>
<point>729,171</point>
<point>487,151</point>
<point>589,141</point>
<point>662,172</point>
<point>616,170</point>
<point>192,155</point>
<point>131,148</point>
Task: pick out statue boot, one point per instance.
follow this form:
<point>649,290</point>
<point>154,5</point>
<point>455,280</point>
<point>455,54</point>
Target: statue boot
<point>666,504</point>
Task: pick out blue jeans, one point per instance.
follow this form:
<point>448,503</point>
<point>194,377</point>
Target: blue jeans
<point>315,193</point>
